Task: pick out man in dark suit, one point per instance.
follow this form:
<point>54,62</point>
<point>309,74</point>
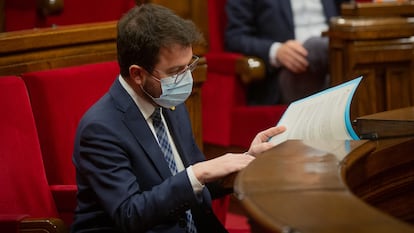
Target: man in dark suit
<point>138,166</point>
<point>286,35</point>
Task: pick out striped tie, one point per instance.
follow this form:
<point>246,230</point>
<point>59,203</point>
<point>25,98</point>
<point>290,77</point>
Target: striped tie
<point>169,157</point>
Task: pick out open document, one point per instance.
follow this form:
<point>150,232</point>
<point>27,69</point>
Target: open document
<point>324,115</point>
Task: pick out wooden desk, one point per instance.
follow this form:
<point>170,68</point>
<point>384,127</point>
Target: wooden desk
<point>304,187</point>
<point>333,186</point>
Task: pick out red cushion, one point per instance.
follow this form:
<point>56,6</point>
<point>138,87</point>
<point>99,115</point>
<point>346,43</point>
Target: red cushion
<point>217,23</point>
<point>220,207</point>
<point>19,14</point>
<point>224,63</point>
<point>22,178</point>
<point>247,121</point>
<point>65,199</point>
<point>217,101</point>
<point>59,98</point>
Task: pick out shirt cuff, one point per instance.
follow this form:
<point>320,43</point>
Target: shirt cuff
<point>272,54</point>
<point>195,183</point>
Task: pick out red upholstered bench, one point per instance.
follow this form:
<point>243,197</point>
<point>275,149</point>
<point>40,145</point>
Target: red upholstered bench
<point>59,98</point>
<point>26,202</point>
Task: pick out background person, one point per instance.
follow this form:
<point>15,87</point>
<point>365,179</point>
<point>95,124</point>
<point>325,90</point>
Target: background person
<point>286,34</point>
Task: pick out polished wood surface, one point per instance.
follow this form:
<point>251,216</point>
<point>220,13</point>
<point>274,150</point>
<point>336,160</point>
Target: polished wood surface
<point>392,8</point>
<point>43,225</point>
<point>303,187</point>
<point>393,123</point>
<point>48,48</point>
<point>378,48</point>
<point>333,186</point>
<point>385,178</point>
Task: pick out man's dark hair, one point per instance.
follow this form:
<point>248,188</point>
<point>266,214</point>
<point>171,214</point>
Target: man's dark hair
<point>147,28</point>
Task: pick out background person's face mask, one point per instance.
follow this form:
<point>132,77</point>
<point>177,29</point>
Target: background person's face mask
<point>173,93</point>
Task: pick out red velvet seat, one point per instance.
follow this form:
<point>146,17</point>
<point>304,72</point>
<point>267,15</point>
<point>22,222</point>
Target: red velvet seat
<point>25,192</point>
<point>227,119</point>
<point>59,98</point>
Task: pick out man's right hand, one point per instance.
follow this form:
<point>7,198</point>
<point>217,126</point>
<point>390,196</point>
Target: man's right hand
<point>292,55</point>
<point>217,168</point>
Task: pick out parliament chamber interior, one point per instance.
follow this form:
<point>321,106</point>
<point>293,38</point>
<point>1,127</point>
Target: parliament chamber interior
<point>47,48</point>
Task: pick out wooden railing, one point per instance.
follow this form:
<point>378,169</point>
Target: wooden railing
<point>375,41</point>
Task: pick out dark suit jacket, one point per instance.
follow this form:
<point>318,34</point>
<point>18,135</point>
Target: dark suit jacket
<point>254,25</point>
<point>123,180</point>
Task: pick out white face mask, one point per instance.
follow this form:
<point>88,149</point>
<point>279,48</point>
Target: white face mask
<point>173,93</point>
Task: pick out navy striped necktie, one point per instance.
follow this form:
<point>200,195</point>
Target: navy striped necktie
<point>165,146</point>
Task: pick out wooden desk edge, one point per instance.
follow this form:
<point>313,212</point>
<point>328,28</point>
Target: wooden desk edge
<point>268,222</point>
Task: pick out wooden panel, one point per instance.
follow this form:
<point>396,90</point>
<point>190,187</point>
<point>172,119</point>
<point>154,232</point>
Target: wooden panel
<point>194,102</point>
<point>385,178</point>
<point>381,50</point>
<point>376,9</point>
<point>40,49</point>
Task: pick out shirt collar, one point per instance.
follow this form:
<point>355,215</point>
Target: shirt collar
<point>143,105</point>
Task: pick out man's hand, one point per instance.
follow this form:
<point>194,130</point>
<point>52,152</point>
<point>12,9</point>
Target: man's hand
<point>220,167</point>
<point>224,165</point>
<point>260,142</point>
<point>292,55</point>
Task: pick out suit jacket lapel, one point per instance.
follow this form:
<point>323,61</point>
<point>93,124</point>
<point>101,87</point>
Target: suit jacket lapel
<point>135,121</point>
<point>329,8</point>
<point>288,13</point>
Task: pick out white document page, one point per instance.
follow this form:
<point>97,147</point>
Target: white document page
<point>324,115</point>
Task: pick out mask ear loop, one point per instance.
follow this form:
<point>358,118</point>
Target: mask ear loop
<point>148,94</point>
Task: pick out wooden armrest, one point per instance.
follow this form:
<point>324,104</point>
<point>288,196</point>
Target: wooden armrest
<point>250,69</point>
<point>43,225</point>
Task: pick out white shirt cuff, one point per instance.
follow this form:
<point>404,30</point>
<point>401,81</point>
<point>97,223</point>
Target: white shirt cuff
<point>195,183</point>
<point>272,54</point>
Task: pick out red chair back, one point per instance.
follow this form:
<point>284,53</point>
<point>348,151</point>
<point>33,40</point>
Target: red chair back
<point>24,188</point>
<point>216,24</point>
<point>59,98</point>
<point>227,119</point>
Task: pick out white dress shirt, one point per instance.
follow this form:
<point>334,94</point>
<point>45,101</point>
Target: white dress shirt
<point>309,20</point>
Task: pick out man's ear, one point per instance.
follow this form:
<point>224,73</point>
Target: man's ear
<point>136,73</point>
